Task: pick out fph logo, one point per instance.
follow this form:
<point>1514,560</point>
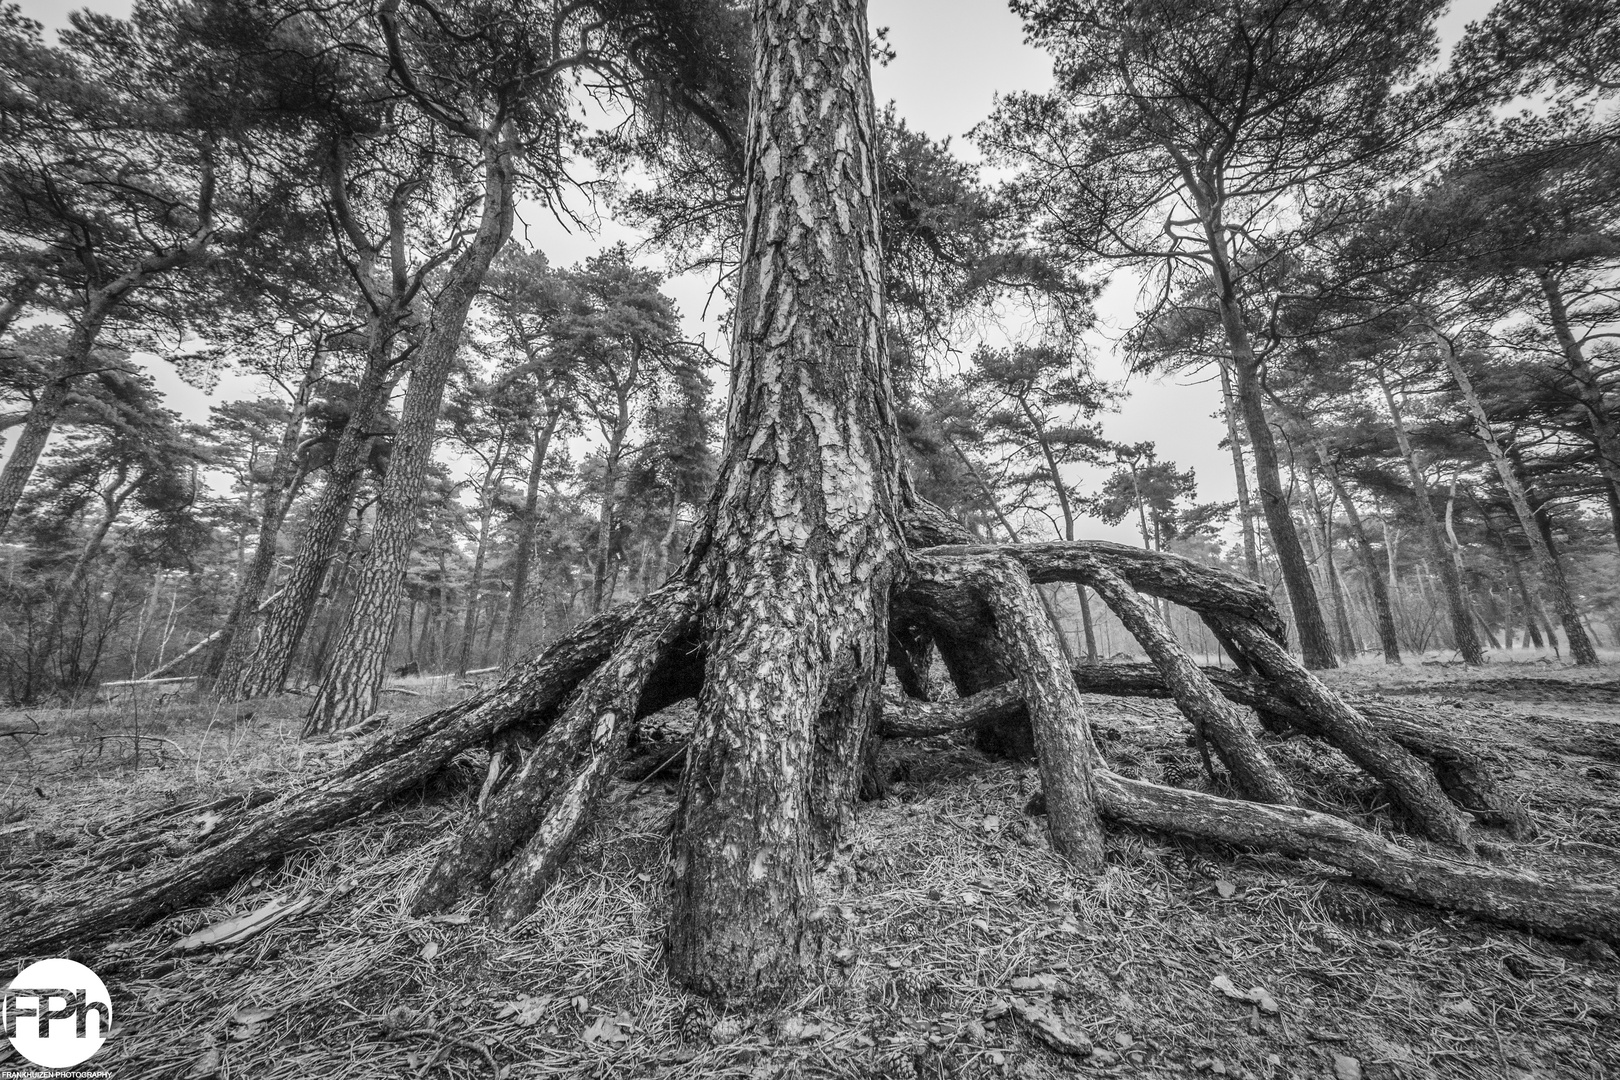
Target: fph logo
<point>56,1013</point>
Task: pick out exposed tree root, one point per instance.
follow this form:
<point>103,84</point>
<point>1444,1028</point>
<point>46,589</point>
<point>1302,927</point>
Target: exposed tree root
<point>1212,716</point>
<point>1410,784</point>
<point>544,805</point>
<point>397,762</point>
<point>1026,644</point>
<point>1516,898</point>
<point>1465,770</point>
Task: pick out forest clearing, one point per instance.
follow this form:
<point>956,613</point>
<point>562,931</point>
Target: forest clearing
<point>767,645</point>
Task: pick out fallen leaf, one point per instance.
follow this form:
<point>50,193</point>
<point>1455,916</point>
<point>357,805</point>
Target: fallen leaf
<point>1123,1040</point>
<point>1462,1007</point>
<point>459,918</point>
<point>237,930</point>
<point>1046,1027</point>
<point>207,823</point>
<point>1254,995</point>
<point>980,924</point>
<point>580,1004</point>
<point>990,824</point>
<point>524,1010</point>
<point>1346,1068</point>
<point>1040,984</point>
<point>971,898</point>
<point>610,1029</point>
<point>248,1017</point>
<point>1226,889</point>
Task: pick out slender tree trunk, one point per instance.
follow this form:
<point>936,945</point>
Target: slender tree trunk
<point>1551,571</point>
<point>1462,622</point>
<point>265,669</point>
<point>1383,614</point>
<point>528,526</point>
<point>348,693</point>
<point>795,644</point>
<point>1605,433</point>
<point>475,586</point>
<point>601,596</point>
<point>1251,557</point>
<point>231,649</point>
<point>112,502</point>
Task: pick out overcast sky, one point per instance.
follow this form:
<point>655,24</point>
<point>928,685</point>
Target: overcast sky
<point>954,56</point>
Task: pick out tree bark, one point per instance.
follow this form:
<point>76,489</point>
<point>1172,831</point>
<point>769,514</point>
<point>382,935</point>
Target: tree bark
<point>1416,791</point>
<point>348,691</point>
<point>265,669</point>
<point>799,551</point>
<point>1462,623</point>
<point>1605,433</point>
<point>1552,571</point>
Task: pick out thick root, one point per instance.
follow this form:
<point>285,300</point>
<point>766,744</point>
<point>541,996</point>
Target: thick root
<point>1465,771</point>
<point>396,763</point>
<point>1516,898</point>
<point>1212,716</point>
<point>1027,644</point>
<point>1204,589</point>
<point>1410,784</point>
<point>546,803</point>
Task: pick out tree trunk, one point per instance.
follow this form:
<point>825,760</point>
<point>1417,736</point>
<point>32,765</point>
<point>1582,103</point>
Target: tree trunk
<point>475,586</point>
<point>801,545</point>
<point>231,648</point>
<point>1462,623</point>
<point>528,526</point>
<point>1315,643</point>
<point>1605,433</point>
<point>265,670</point>
<point>1383,613</point>
<point>1251,556</point>
<point>112,501</point>
<point>348,692</point>
<point>1552,572</point>
<point>601,595</point>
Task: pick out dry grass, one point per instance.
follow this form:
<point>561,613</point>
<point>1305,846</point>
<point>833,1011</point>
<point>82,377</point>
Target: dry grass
<point>944,894</point>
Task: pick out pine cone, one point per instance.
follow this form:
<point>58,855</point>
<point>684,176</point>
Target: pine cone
<point>693,1025</point>
<point>727,1029</point>
<point>1179,774</point>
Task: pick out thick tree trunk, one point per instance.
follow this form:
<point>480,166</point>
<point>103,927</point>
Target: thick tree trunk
<point>1462,623</point>
<point>1551,570</point>
<point>801,545</point>
<point>348,691</point>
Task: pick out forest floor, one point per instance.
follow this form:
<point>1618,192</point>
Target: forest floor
<point>943,905</point>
